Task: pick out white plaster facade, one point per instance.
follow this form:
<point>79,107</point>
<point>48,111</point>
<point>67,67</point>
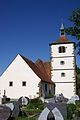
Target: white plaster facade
<point>17,72</point>
<point>66,84</point>
<point>20,71</point>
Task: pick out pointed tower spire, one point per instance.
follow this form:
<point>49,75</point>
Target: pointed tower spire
<point>62,32</point>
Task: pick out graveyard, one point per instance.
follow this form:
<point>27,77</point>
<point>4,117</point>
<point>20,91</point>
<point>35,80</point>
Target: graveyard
<point>56,108</point>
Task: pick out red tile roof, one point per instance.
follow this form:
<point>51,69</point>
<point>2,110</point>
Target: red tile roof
<point>44,67</point>
<point>62,39</point>
<point>39,69</point>
<point>47,67</point>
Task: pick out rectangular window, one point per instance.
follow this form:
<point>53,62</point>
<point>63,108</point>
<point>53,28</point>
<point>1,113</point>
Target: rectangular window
<point>10,84</point>
<point>62,62</point>
<point>24,83</point>
<point>62,74</point>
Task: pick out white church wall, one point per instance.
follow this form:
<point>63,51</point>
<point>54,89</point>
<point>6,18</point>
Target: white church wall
<point>66,88</point>
<point>65,83</point>
<point>69,50</point>
<point>17,72</point>
<point>68,63</point>
<point>69,76</point>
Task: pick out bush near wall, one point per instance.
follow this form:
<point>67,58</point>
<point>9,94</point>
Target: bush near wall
<point>73,109</point>
<point>35,103</point>
<point>49,96</point>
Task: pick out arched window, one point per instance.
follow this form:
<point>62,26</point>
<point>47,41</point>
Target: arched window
<point>62,49</point>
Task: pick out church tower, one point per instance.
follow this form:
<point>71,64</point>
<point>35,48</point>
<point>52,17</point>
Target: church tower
<point>62,61</point>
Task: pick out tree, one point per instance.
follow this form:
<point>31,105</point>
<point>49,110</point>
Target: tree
<point>74,30</point>
<point>77,70</point>
<point>78,80</point>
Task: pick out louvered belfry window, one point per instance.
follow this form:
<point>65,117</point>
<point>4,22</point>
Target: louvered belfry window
<point>62,49</point>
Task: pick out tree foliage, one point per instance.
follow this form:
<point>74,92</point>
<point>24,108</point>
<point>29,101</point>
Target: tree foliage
<point>73,109</point>
<point>77,70</point>
<point>74,30</point>
<point>70,110</point>
<point>78,80</point>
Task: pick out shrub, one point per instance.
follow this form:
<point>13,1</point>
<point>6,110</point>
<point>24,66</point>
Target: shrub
<point>70,110</point>
<point>35,103</point>
<point>49,96</point>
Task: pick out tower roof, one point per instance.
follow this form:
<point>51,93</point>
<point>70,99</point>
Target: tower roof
<point>62,38</point>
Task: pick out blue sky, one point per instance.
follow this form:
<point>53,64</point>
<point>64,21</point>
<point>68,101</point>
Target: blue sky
<point>29,26</point>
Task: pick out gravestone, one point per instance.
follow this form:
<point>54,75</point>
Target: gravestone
<point>50,116</point>
<point>70,101</point>
<point>16,110</point>
<point>10,105</point>
<point>44,114</point>
<point>57,114</point>
<point>23,101</point>
<point>0,98</point>
<point>0,101</point>
<point>20,101</point>
<point>4,96</point>
<point>54,110</point>
<point>73,99</point>
<point>61,108</point>
<point>60,98</point>
<point>5,113</point>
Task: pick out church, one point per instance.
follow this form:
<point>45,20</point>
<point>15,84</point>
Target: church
<point>26,78</point>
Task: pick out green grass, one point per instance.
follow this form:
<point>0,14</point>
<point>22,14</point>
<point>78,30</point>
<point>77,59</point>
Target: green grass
<point>24,118</point>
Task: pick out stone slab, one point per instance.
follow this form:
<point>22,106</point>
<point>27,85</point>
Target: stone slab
<point>16,110</point>
<point>62,107</point>
<point>5,113</point>
<point>10,105</point>
<point>44,114</point>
